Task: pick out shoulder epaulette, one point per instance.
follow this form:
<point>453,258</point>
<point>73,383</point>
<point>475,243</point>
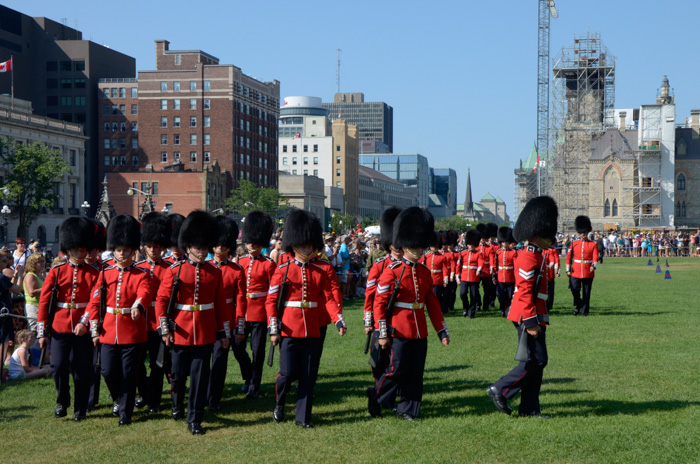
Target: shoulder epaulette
<point>395,265</point>
<point>317,267</point>
<point>268,258</point>
<point>140,262</point>
<point>110,267</point>
<point>531,248</point>
<point>60,264</point>
<point>141,269</point>
<point>236,265</point>
<point>174,265</point>
<point>323,260</point>
<point>283,265</point>
<point>379,260</point>
<point>99,268</point>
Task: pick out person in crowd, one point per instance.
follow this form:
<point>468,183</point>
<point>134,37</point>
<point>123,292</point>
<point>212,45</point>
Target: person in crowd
<point>33,280</point>
<point>21,253</point>
<point>21,367</point>
<point>10,283</point>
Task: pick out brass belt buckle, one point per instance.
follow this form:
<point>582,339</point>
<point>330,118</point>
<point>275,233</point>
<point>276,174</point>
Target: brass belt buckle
<point>416,305</point>
<point>304,304</point>
<point>249,295</point>
<point>117,311</point>
<point>72,305</point>
<point>195,307</point>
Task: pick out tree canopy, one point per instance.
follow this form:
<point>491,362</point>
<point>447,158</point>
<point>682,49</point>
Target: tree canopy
<point>249,197</point>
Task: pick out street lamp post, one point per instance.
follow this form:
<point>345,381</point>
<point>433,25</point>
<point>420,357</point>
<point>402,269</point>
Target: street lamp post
<point>148,203</point>
<point>5,220</point>
<point>85,207</point>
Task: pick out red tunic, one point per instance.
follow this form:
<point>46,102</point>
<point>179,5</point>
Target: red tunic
<point>74,286</point>
<point>489,256</point>
<point>371,290</point>
<point>525,308</point>
<point>259,271</point>
<point>584,254</point>
<point>324,317</point>
<point>505,262</point>
<point>126,287</point>
<point>415,295</point>
<point>551,257</point>
<point>234,280</point>
<point>437,265</point>
<point>156,270</point>
<point>308,292</point>
<point>470,263</point>
<point>201,309</point>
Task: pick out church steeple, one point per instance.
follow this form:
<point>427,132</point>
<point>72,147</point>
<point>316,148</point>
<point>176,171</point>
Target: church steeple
<point>468,203</point>
<point>666,98</point>
<point>105,210</point>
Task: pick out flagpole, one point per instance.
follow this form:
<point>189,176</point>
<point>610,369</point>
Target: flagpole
<point>12,81</point>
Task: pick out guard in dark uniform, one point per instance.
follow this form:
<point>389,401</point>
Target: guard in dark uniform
<point>259,269</point>
<point>537,223</point>
<point>505,269</point>
<point>155,239</point>
<point>235,290</point>
<point>296,331</point>
<point>379,358</point>
<point>405,330</point>
<point>71,347</point>
<point>121,330</point>
<point>581,263</point>
<point>94,258</point>
<point>200,317</point>
<point>470,264</point>
<point>438,265</point>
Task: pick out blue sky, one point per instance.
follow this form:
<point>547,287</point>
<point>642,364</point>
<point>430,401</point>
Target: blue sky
<point>461,75</point>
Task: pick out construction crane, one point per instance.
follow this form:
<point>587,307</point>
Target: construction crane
<point>546,9</point>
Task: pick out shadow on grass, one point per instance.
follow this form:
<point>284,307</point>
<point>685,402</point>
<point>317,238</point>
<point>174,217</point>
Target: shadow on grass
<point>607,311</point>
<point>17,412</point>
<point>616,407</point>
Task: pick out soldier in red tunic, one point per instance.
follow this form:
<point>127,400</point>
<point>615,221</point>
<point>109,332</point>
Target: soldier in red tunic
<point>403,328</point>
<point>450,251</point>
<point>259,269</point>
<point>308,291</point>
<point>438,265</point>
<point>551,256</point>
<point>537,223</point>
<point>505,271</point>
<point>155,239</point>
<point>121,329</point>
<point>200,317</point>
<point>470,263</point>
<point>581,263</point>
<point>234,288</point>
<point>67,324</point>
<point>379,358</point>
<point>94,258</point>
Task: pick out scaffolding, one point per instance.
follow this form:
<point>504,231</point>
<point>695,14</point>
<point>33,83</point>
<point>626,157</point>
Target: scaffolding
<point>584,100</point>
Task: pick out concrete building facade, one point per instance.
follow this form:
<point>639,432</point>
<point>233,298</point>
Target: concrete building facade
<point>379,192</point>
<point>410,170</point>
<point>374,120</point>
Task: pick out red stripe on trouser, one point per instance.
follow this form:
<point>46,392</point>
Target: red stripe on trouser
<point>514,383</point>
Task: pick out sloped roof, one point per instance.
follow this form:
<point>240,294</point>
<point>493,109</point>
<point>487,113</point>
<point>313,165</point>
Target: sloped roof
<point>692,145</point>
<point>499,200</point>
<point>612,141</point>
<point>488,197</point>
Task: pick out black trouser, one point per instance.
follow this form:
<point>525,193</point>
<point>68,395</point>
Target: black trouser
<point>505,295</point>
<point>404,374</point>
<point>469,291</point>
<point>583,304</point>
<point>380,356</point>
<point>70,354</point>
<point>527,376</point>
<point>258,339</point>
<point>439,292</point>
<point>296,363</point>
<point>489,292</point>
<point>193,361</point>
<point>95,379</point>
<point>120,367</point>
<point>451,295</point>
<point>151,387</point>
<point>319,353</point>
<point>219,364</point>
<point>550,294</point>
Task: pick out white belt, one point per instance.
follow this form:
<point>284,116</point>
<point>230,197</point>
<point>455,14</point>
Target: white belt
<point>117,311</point>
<point>229,300</point>
<point>585,261</point>
<point>300,304</point>
<point>256,295</point>
<point>153,304</point>
<point>470,267</point>
<point>542,296</point>
<point>506,267</point>
<point>199,307</point>
<point>437,271</point>
<point>414,305</point>
<point>72,305</point>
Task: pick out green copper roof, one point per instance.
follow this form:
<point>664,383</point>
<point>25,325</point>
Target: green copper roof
<point>499,200</point>
<point>488,197</point>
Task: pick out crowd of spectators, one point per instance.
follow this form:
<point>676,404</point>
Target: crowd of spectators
<point>642,244</point>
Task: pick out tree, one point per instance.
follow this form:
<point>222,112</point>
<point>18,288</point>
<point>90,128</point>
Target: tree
<point>457,223</point>
<point>341,223</point>
<point>369,221</point>
<point>249,197</point>
<point>31,174</point>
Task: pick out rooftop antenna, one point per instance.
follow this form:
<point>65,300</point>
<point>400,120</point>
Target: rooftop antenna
<point>337,73</point>
<point>64,21</point>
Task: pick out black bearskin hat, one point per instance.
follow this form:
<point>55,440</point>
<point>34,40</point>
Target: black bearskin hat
<point>123,231</point>
<point>198,229</point>
<point>258,228</point>
<point>436,240</point>
<point>473,237</point>
<point>491,230</point>
<point>582,224</point>
<point>155,228</point>
<point>505,234</point>
<point>100,242</point>
<point>413,228</point>
<point>481,228</point>
<point>176,220</point>
<point>228,232</point>
<point>76,232</point>
<point>537,219</point>
<point>452,237</point>
<point>386,227</point>
<point>301,228</point>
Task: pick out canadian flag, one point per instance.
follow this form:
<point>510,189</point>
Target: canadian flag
<point>297,136</point>
<point>534,168</point>
<point>340,114</point>
<point>6,66</point>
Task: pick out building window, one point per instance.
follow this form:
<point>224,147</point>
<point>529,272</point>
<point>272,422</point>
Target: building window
<point>115,109</point>
<point>315,148</point>
<point>115,126</point>
<point>337,160</point>
<point>176,121</point>
<point>176,86</point>
<point>207,156</point>
<point>306,172</point>
<point>207,121</point>
<point>122,160</point>
<point>337,172</point>
<point>176,104</point>
<point>66,83</point>
<point>80,65</point>
<point>66,101</point>
<point>115,161</point>
<point>163,104</point>
<point>681,182</point>
<point>176,139</point>
<point>207,86</point>
<point>193,103</point>
<point>122,92</point>
<point>337,148</point>
<point>134,109</point>
<point>114,92</point>
<point>207,104</point>
<point>177,60</point>
<point>193,139</point>
<point>134,92</point>
<point>294,160</point>
<point>134,126</point>
<point>51,66</point>
<point>337,184</point>
<point>154,188</point>
<point>306,148</point>
<point>163,121</point>
<point>106,127</point>
<point>678,208</point>
<point>683,209</point>
<point>607,208</point>
<point>106,142</point>
<point>122,143</point>
<point>163,156</point>
<point>122,109</point>
<point>614,207</point>
<point>306,160</point>
<point>193,157</point>
<point>105,109</point>
<point>193,86</point>
<point>122,126</point>
<point>207,139</point>
<point>176,156</point>
<point>315,159</point>
<point>163,139</point>
<point>316,172</point>
<point>134,160</point>
<point>115,144</point>
<point>134,143</point>
<point>284,160</point>
<point>106,160</point>
<point>80,101</point>
<point>193,121</point>
<point>294,172</point>
<point>163,86</point>
<point>284,148</point>
<point>294,148</point>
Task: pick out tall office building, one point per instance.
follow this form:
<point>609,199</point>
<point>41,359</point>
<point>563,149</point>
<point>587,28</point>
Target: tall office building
<point>443,192</point>
<point>58,73</point>
<point>374,120</point>
<point>410,170</point>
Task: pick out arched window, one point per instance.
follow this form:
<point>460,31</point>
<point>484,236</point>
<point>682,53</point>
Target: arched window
<point>678,208</point>
<point>614,207</point>
<point>607,208</point>
<point>680,184</point>
<point>683,209</point>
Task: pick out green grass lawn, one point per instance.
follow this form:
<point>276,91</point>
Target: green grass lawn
<point>621,386</point>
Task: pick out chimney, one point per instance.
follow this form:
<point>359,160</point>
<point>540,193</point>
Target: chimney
<point>695,123</point>
<point>623,117</point>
